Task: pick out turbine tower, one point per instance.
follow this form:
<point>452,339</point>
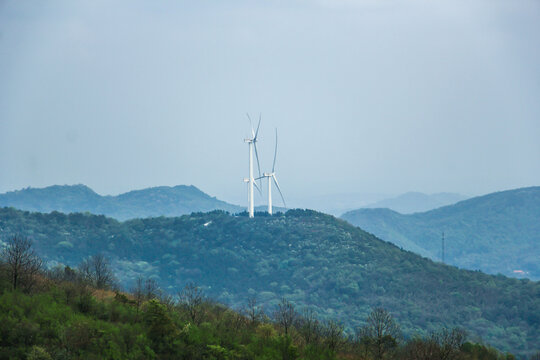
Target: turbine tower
<point>272,176</point>
<point>252,143</point>
<point>442,252</point>
<point>246,181</point>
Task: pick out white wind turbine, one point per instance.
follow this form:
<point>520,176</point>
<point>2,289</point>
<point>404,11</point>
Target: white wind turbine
<point>272,176</point>
<point>252,142</point>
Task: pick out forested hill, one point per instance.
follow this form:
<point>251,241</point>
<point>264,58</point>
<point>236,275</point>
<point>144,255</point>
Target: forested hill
<point>496,233</point>
<point>312,259</point>
<point>150,202</point>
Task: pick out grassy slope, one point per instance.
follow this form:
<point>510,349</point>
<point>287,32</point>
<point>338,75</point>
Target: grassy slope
<point>312,259</point>
<point>496,233</point>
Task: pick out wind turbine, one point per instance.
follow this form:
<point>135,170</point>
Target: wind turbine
<point>272,176</point>
<point>252,143</point>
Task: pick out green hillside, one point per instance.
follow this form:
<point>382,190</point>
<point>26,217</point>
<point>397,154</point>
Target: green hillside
<point>312,259</point>
<point>62,316</point>
<point>495,233</point>
<point>151,202</point>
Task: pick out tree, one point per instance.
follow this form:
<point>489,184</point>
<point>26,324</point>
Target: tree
<point>380,333</point>
<point>61,273</point>
<point>309,327</point>
<point>333,332</point>
<point>450,343</point>
<point>38,353</point>
<point>192,298</point>
<point>253,311</point>
<point>285,315</point>
<point>144,290</point>
<point>362,343</point>
<point>161,330</point>
<point>441,345</point>
<point>96,270</point>
<point>21,261</point>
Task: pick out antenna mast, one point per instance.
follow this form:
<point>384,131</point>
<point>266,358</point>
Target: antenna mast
<point>442,252</point>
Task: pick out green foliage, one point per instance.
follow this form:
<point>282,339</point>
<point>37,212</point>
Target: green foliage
<point>288,350</point>
<point>483,352</point>
<point>44,326</point>
<point>313,260</point>
<point>38,353</point>
<point>496,233</point>
<point>161,329</point>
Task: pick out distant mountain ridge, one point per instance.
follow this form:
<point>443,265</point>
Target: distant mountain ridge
<point>413,202</point>
<point>150,202</point>
<point>496,233</point>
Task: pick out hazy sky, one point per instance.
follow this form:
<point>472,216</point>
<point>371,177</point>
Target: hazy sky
<point>368,96</point>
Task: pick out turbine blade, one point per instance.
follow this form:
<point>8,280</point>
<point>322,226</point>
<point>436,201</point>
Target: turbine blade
<point>275,154</point>
<point>257,157</point>
<point>277,185</point>
<point>257,132</point>
<point>251,126</point>
<point>257,187</point>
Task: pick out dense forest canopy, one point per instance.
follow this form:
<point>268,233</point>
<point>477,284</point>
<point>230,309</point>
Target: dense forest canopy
<point>495,233</point>
<point>314,260</point>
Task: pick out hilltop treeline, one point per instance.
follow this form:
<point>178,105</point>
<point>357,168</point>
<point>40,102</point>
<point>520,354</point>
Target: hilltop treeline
<point>68,313</point>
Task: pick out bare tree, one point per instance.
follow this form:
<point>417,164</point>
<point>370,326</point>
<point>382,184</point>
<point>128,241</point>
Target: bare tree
<point>234,320</point>
<point>362,343</point>
<point>21,261</point>
<point>309,327</point>
<point>441,345</point>
<point>192,298</point>
<point>144,290</point>
<point>380,333</point>
<point>166,299</point>
<point>333,332</point>
<point>138,293</point>
<point>253,311</point>
<point>450,343</point>
<point>151,289</point>
<point>97,271</point>
<point>285,315</point>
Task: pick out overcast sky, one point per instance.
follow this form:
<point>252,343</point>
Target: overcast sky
<point>368,96</point>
